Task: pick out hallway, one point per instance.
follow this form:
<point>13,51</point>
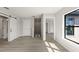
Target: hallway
<point>28,44</point>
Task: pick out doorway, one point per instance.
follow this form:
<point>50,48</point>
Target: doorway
<point>49,29</point>
<point>3,28</point>
<point>37,27</point>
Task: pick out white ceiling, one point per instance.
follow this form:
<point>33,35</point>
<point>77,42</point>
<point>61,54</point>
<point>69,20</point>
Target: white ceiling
<point>33,11</point>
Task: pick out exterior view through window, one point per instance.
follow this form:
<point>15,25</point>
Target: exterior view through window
<point>71,31</point>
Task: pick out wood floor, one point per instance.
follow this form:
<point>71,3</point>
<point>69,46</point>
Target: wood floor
<point>29,44</point>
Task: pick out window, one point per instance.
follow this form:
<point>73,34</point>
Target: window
<point>71,27</point>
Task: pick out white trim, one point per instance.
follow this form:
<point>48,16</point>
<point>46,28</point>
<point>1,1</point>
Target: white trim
<point>54,28</point>
<point>32,28</point>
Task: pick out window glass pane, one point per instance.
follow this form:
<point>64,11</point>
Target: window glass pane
<point>77,22</point>
<point>69,21</point>
<point>69,30</point>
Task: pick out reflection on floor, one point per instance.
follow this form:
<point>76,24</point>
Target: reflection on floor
<point>28,44</point>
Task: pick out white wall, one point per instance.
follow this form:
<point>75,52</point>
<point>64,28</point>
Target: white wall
<point>50,20</point>
<point>59,30</point>
<point>50,25</point>
<point>47,19</point>
<point>27,27</point>
<point>15,28</point>
<point>19,26</point>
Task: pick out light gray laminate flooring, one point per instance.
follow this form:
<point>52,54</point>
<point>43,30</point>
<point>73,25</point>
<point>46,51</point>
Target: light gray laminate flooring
<point>29,44</point>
